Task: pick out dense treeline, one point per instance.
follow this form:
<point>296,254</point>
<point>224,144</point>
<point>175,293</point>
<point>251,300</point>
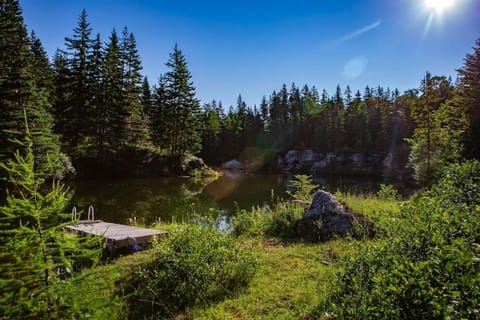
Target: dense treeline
<point>92,103</point>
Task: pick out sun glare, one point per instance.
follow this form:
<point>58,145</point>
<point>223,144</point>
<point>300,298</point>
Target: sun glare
<point>439,6</point>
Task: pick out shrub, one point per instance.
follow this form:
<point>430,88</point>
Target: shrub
<point>302,186</point>
<point>388,192</point>
<point>195,266</point>
<point>430,269</point>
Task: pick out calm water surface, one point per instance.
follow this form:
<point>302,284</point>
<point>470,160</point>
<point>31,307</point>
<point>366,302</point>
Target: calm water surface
<point>179,199</point>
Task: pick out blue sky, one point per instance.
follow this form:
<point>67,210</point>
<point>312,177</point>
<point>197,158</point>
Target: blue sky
<point>253,47</point>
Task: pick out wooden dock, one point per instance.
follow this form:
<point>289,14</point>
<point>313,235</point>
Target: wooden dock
<point>117,235</point>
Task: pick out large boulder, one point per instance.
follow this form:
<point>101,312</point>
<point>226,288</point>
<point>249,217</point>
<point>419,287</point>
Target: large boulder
<point>326,217</point>
<point>232,165</point>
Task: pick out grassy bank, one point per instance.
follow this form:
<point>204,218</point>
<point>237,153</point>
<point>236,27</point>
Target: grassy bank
<point>422,263</point>
<point>292,279</point>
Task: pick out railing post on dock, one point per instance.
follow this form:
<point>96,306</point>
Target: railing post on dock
<point>91,213</point>
<point>74,213</point>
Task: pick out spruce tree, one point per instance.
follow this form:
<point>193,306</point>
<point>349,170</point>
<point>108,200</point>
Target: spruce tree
<point>115,113</point>
<point>159,116</point>
<point>182,109</point>
<point>26,84</point>
<point>136,132</point>
<point>78,111</point>
<point>469,99</point>
<point>97,97</point>
<point>427,142</point>
<point>146,99</point>
<point>37,256</point>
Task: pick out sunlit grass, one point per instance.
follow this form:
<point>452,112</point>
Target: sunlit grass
<point>292,280</point>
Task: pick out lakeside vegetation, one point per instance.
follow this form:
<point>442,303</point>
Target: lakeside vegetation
<point>422,263</point>
<point>421,260</point>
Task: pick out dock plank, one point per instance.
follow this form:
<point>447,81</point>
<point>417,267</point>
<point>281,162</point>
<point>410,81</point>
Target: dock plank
<point>117,235</point>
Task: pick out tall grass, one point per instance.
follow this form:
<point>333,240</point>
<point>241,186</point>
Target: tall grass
<point>196,266</point>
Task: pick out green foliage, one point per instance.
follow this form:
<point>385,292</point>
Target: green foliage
<point>36,253</point>
<point>438,138</point>
<point>195,266</point>
<point>26,84</point>
<point>429,268</point>
<point>176,112</point>
<point>387,192</point>
<point>276,221</point>
<point>468,100</point>
<point>302,186</point>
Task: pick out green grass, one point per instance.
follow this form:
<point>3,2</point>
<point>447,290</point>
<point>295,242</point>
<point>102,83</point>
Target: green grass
<point>96,291</point>
<point>384,213</point>
<point>292,280</point>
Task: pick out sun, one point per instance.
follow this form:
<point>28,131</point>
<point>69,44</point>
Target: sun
<point>439,6</point>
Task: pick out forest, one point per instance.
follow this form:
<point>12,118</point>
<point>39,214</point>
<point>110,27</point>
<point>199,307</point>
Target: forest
<point>90,109</point>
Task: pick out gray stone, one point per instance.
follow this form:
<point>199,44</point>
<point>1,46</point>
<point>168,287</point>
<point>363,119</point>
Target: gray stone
<point>325,218</point>
<point>324,204</point>
<point>233,165</point>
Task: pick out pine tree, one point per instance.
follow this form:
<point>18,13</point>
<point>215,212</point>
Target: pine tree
<point>78,109</point>
<point>97,97</point>
<point>181,107</point>
<point>146,99</point>
<point>26,85</point>
<point>115,113</point>
<point>136,132</point>
<point>36,253</point>
<point>426,144</point>
<point>211,133</point>
<point>469,98</point>
<point>159,115</point>
<point>14,88</point>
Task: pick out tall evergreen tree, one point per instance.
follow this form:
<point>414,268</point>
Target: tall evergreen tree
<point>469,98</point>
<point>136,132</point>
<point>426,144</point>
<point>78,108</point>
<point>116,113</point>
<point>97,98</point>
<point>159,115</point>
<point>25,86</point>
<point>181,107</point>
<point>146,99</point>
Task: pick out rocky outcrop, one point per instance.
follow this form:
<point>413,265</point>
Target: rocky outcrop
<point>326,217</point>
<point>310,162</point>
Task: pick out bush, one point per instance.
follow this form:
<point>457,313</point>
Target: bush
<point>388,192</point>
<point>195,266</point>
<point>430,269</point>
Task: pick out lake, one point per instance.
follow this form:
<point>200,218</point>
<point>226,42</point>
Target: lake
<point>179,199</point>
